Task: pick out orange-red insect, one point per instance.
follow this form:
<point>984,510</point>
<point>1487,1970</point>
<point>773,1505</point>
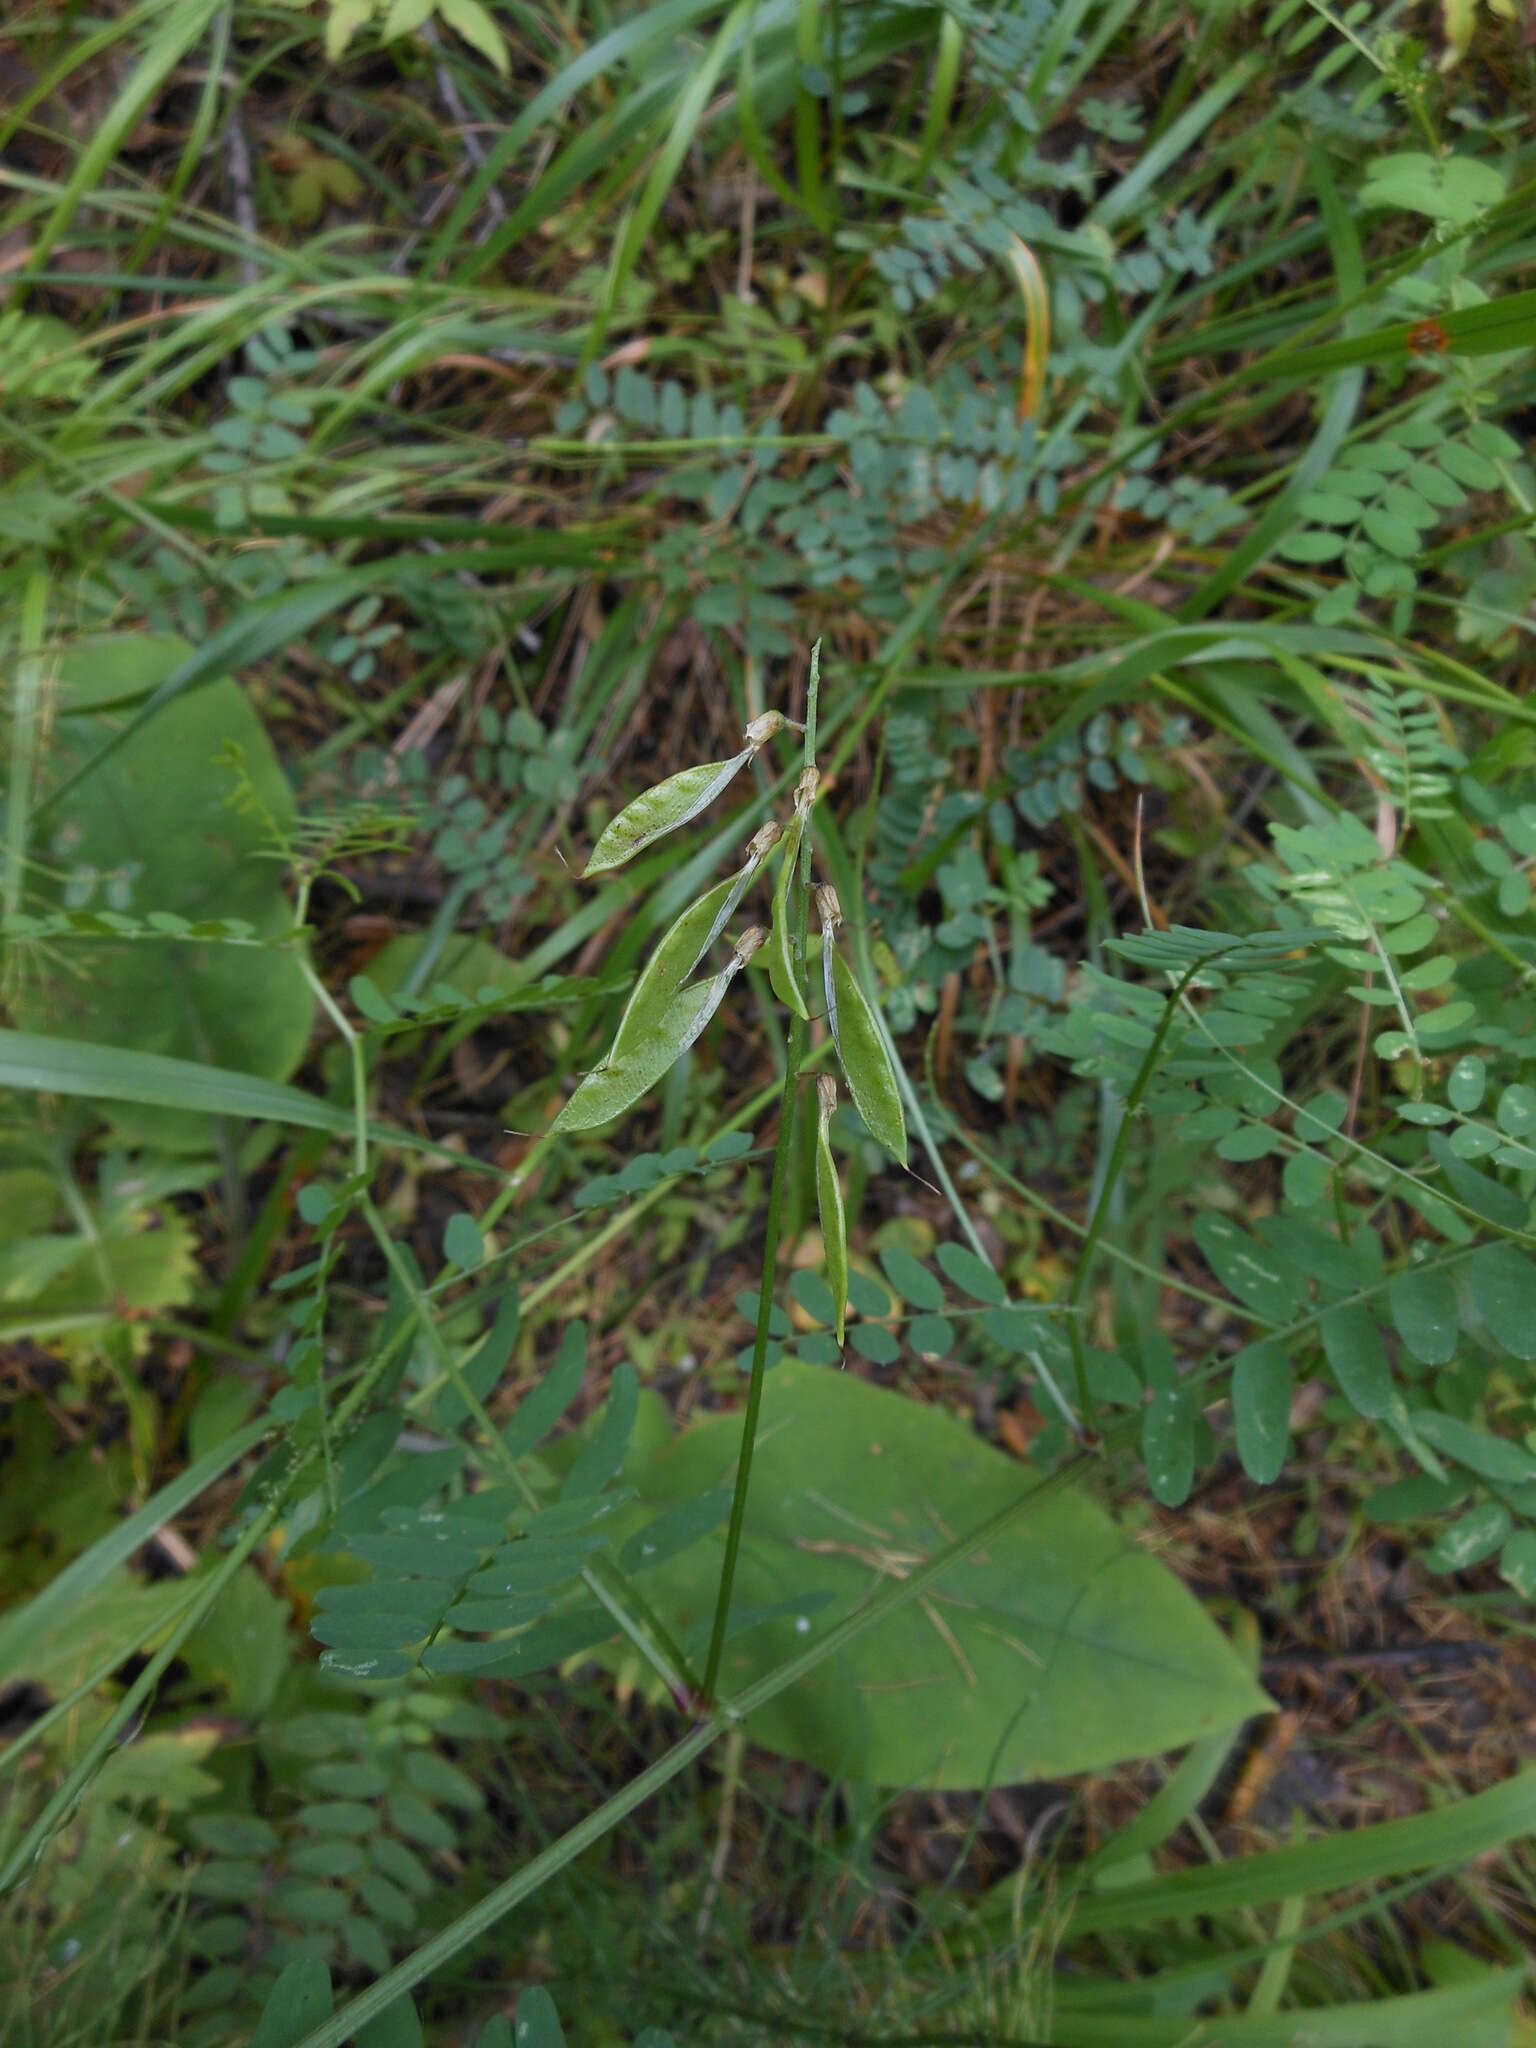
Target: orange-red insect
<point>1429,336</point>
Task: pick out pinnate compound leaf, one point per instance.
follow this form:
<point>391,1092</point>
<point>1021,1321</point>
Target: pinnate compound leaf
<point>1056,1649</point>
<point>661,810</point>
<point>1261,1410</point>
<point>1352,1344</point>
<point>1480,1192</point>
<point>866,1064</point>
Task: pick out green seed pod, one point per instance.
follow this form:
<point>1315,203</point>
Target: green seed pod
<point>672,803</point>
<point>781,952</point>
<point>685,942</point>
<point>830,911</point>
<point>829,1201</point>
<point>781,958</point>
<point>663,1039</point>
<point>865,1062</point>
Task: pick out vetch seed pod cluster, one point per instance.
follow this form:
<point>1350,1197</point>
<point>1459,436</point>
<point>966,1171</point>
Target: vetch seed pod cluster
<point>667,1009</point>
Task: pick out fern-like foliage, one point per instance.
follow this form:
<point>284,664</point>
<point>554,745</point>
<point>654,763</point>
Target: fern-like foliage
<point>1372,514</point>
<point>338,1864</point>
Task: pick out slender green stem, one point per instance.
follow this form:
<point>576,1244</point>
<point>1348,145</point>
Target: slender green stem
<point>793,1058</point>
<point>1100,1215</point>
<point>29,678</point>
<point>776,1191</point>
<point>355,1052</point>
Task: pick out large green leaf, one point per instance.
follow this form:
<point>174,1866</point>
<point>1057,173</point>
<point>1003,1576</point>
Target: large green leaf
<point>149,828</point>
<point>1060,1648</point>
<point>40,1063</point>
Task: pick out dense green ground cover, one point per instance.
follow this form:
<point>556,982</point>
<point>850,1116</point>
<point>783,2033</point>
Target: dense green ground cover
<point>560,1458</point>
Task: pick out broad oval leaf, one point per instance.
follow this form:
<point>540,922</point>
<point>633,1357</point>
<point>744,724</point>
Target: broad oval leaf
<point>1261,1410</point>
<point>660,810</point>
<point>829,1202</point>
<point>1358,1357</point>
<point>866,1064</point>
<point>1061,1647</point>
<point>148,819</point>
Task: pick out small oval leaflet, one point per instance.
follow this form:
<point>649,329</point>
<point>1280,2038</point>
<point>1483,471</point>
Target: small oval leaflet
<point>1353,1347</point>
<point>912,1281</point>
<point>866,1064</point>
<point>1261,1410</point>
<point>972,1275</point>
<point>829,1201</point>
<point>1423,1304</point>
<point>1504,1289</point>
<point>1168,1445</point>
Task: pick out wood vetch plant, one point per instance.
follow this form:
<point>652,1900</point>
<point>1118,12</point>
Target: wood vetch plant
<point>667,1011</point>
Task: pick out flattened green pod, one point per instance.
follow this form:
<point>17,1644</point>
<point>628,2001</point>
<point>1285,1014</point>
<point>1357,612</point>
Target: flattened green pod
<point>781,939</point>
<point>663,1039</point>
<point>830,911</point>
<point>865,1062</point>
<point>685,942</point>
<point>672,803</point>
<point>829,1201</point>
